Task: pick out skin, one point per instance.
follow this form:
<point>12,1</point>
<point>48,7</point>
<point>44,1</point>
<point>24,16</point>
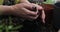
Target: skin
<point>21,10</point>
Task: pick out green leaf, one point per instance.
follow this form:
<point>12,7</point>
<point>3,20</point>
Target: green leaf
<point>17,27</point>
<point>10,27</point>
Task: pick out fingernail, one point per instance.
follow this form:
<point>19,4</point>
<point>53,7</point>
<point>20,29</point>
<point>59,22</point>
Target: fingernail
<point>34,9</point>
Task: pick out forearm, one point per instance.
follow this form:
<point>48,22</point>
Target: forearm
<point>5,10</point>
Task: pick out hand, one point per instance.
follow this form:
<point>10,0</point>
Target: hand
<point>23,11</point>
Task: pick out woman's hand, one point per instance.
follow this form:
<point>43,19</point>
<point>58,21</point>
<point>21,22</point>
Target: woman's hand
<point>23,10</point>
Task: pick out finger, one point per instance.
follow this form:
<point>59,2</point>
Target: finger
<point>33,17</point>
<point>28,6</point>
<point>28,12</point>
<point>39,7</point>
<point>30,17</point>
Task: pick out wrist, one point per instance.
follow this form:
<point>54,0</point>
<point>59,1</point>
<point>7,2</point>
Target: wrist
<point>13,9</point>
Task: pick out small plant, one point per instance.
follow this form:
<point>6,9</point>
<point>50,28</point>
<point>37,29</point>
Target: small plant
<point>8,26</point>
